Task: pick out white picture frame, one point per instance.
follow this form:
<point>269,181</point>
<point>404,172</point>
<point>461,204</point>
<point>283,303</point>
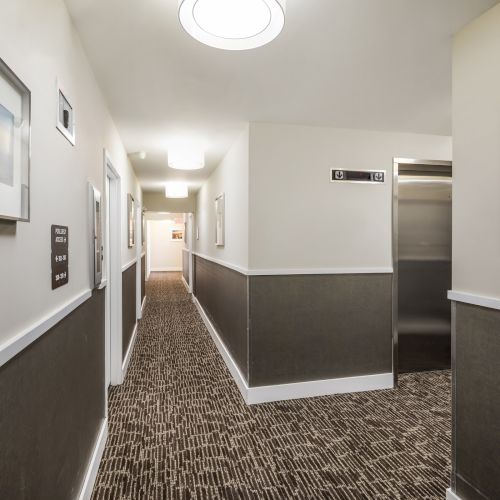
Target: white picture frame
<point>95,236</point>
<point>131,220</point>
<point>15,139</point>
<point>220,222</point>
<point>65,115</point>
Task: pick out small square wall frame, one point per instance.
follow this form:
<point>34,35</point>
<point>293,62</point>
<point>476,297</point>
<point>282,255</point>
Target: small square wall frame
<point>65,114</point>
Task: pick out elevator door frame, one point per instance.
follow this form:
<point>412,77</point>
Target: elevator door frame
<point>395,240</point>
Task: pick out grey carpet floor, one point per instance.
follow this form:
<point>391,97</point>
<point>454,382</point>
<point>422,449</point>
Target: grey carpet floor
<point>179,429</point>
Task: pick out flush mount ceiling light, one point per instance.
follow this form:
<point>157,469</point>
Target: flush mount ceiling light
<point>185,157</point>
<point>176,190</point>
<point>233,24</point>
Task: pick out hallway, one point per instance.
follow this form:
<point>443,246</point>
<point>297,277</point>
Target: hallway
<point>178,427</point>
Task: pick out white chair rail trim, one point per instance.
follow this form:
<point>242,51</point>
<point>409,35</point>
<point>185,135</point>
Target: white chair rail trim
<point>473,299</point>
<point>297,271</point>
<point>15,345</point>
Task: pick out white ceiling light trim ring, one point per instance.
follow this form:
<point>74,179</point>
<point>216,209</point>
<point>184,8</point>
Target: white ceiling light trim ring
<point>233,24</point>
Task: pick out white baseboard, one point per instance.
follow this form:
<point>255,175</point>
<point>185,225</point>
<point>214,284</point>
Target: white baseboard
<point>186,284</point>
<point>130,349</point>
<point>451,496</point>
<point>268,394</point>
<point>22,340</point>
<point>165,269</point>
<point>95,460</point>
<point>316,388</point>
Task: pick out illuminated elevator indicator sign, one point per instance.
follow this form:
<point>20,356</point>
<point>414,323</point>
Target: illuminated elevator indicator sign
<point>370,176</point>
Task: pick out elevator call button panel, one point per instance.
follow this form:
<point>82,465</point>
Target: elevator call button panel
<point>364,176</point>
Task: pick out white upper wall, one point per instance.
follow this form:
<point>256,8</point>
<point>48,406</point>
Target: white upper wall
<point>476,153</point>
<point>300,220</point>
<point>39,43</point>
<point>165,254</point>
<point>157,202</point>
<point>230,178</point>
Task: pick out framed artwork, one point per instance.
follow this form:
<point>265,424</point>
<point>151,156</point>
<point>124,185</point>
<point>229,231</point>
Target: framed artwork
<point>95,237</point>
<point>65,116</point>
<point>220,215</point>
<point>177,234</point>
<point>131,220</point>
<point>143,228</point>
<point>15,125</point>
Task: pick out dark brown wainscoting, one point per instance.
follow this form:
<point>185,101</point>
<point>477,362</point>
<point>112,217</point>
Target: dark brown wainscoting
<point>223,294</point>
<point>477,402</point>
<point>314,327</point>
<point>129,316</point>
<point>52,407</point>
<point>300,328</point>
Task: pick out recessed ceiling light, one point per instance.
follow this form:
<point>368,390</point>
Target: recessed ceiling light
<point>185,156</point>
<point>233,24</point>
<point>176,190</point>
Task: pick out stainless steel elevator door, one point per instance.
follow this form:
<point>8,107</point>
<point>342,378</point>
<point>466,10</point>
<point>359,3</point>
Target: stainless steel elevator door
<point>424,269</point>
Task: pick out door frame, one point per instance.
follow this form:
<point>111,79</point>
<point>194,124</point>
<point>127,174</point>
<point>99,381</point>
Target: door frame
<point>113,260</point>
<point>395,252</point>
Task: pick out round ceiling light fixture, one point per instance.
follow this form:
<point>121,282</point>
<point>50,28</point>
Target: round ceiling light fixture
<point>233,24</point>
<point>186,156</point>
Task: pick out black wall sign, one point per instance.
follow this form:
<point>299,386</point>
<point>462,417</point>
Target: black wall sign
<point>59,244</point>
<point>372,176</point>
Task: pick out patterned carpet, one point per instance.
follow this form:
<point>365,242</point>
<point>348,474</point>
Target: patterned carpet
<point>179,428</point>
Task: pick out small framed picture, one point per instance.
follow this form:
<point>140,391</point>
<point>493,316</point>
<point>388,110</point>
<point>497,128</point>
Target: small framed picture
<point>95,236</point>
<point>131,220</point>
<point>220,215</point>
<point>65,116</point>
<point>143,227</point>
<point>15,125</point>
<point>177,234</point>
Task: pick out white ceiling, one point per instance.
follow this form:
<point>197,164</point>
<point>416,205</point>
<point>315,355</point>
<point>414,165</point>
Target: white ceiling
<point>373,64</point>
